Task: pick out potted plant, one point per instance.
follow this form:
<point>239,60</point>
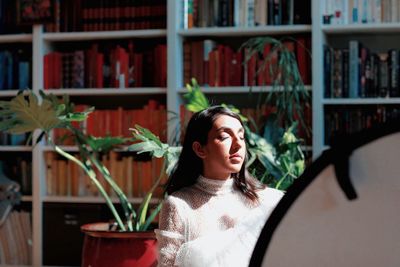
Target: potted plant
<point>125,241</point>
<point>276,156</point>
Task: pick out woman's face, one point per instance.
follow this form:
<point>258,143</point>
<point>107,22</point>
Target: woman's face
<point>225,150</point>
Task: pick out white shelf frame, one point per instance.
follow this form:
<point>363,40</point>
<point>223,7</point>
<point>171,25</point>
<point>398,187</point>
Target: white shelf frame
<point>8,93</point>
<point>16,38</point>
<point>89,199</point>
<point>245,31</point>
<point>108,91</point>
<point>362,28</point>
<point>16,148</point>
<point>237,89</point>
<point>360,101</point>
<point>320,34</point>
<point>103,35</point>
<point>318,39</point>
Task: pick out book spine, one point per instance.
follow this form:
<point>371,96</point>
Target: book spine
<point>354,68</point>
<point>383,75</point>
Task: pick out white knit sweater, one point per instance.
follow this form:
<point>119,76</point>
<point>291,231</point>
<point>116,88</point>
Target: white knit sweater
<point>212,224</point>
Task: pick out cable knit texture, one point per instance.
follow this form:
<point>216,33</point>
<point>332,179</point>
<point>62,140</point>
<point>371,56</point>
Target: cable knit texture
<point>213,220</point>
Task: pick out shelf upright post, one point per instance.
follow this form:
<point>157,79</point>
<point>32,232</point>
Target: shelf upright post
<point>174,65</point>
<point>318,39</point>
<point>38,175</point>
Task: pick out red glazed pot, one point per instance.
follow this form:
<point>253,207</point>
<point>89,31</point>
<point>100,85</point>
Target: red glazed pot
<point>103,248</point>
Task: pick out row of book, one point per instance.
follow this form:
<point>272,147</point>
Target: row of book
<point>107,15</point>
<point>216,64</point>
<point>245,13</point>
<point>360,11</point>
<point>16,239</point>
<point>134,177</point>
<point>346,120</point>
<point>103,67</point>
<point>101,123</point>
<point>9,20</point>
<point>358,72</point>
<point>15,69</point>
<point>7,139</point>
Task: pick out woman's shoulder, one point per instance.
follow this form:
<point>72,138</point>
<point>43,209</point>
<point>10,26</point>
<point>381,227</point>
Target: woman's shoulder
<point>179,198</point>
<point>270,195</point>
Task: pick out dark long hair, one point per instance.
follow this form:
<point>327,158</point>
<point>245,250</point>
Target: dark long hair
<point>190,166</point>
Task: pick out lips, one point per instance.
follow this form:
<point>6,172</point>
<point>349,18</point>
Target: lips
<point>236,156</point>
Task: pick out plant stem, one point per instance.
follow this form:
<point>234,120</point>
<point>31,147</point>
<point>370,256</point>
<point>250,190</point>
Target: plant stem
<point>92,176</point>
<point>140,219</point>
<point>281,181</point>
<point>122,197</point>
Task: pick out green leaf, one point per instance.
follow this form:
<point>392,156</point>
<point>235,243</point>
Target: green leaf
<point>172,158</point>
<point>142,211</point>
<point>195,99</point>
<point>27,115</point>
<point>272,131</point>
<point>148,147</point>
<point>153,214</point>
<point>77,116</point>
<point>148,143</point>
<point>105,144</point>
<point>144,134</point>
<point>235,110</point>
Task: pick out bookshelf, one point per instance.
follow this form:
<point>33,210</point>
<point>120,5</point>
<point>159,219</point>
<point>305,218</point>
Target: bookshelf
<point>378,34</point>
<point>44,42</point>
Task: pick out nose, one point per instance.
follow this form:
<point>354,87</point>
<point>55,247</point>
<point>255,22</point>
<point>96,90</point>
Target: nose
<point>237,143</point>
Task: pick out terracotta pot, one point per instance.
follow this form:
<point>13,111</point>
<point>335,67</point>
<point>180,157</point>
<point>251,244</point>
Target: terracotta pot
<point>103,248</point>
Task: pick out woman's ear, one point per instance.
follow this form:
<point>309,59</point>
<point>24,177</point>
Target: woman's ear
<point>198,149</point>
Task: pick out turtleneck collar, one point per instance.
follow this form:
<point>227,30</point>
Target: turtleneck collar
<point>214,186</point>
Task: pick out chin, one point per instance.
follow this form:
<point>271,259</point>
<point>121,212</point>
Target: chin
<point>236,169</point>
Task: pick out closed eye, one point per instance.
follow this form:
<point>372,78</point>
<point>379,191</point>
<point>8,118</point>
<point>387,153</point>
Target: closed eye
<point>222,138</point>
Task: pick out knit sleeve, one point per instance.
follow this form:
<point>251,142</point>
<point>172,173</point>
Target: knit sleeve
<point>171,232</point>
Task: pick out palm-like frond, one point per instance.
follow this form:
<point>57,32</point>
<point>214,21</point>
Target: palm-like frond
<point>288,93</point>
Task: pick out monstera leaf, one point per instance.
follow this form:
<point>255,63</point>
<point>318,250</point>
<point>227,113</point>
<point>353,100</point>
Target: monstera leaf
<point>172,157</point>
<point>105,144</point>
<point>149,143</point>
<point>21,115</point>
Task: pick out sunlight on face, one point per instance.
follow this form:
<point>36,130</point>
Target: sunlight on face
<point>225,150</point>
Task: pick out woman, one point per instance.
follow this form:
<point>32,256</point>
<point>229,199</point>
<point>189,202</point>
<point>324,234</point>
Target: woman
<point>215,210</point>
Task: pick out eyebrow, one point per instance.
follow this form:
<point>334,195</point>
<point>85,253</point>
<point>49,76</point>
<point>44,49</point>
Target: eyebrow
<point>223,128</point>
